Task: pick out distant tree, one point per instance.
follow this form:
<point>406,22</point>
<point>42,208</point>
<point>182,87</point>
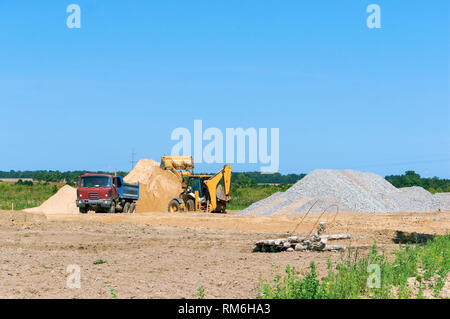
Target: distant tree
<point>274,178</point>
<point>411,178</point>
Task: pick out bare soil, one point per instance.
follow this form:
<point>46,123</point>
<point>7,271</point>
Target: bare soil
<point>163,255</point>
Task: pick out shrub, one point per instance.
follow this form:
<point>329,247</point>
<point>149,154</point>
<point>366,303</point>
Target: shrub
<point>428,264</point>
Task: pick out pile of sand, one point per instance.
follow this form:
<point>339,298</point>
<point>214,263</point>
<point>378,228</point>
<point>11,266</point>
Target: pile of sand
<point>157,186</point>
<point>63,202</point>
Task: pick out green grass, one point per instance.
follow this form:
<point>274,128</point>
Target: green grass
<point>113,293</point>
<point>24,196</point>
<point>428,266</point>
<point>27,196</point>
<point>99,262</point>
<point>200,292</point>
<point>242,197</point>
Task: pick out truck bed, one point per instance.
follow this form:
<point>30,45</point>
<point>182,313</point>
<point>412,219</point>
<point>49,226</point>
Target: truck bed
<point>129,191</point>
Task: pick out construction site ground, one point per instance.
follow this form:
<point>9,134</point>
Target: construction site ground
<point>167,255</point>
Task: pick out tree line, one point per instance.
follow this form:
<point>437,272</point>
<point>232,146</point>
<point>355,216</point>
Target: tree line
<point>69,177</point>
<point>408,179</point>
<point>239,179</point>
<point>244,178</point>
<point>254,178</point>
<point>411,178</point>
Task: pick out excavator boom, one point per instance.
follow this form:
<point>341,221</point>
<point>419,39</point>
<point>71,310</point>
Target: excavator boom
<point>216,191</point>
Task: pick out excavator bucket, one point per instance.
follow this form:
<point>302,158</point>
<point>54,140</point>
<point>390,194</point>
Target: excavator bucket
<point>185,163</point>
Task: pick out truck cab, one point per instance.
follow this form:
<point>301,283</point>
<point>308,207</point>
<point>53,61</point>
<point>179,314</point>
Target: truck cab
<point>106,193</point>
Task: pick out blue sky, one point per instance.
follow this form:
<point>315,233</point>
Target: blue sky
<point>342,95</point>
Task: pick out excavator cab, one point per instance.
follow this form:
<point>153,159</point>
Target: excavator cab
<point>197,186</point>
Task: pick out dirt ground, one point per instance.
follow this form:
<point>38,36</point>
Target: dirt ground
<point>163,255</point>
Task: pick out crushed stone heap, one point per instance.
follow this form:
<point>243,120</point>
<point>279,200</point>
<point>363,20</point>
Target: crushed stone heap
<point>351,191</point>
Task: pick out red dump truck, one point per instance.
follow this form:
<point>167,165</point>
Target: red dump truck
<point>104,193</point>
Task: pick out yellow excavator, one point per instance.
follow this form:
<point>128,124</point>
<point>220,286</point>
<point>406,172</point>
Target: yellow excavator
<point>201,192</point>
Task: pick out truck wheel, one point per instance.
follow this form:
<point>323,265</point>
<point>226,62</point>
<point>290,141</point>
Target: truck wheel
<point>174,206</point>
<point>112,208</point>
<point>190,205</point>
<point>83,210</point>
<point>132,209</point>
<point>126,208</point>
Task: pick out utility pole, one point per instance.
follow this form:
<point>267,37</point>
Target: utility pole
<point>132,159</point>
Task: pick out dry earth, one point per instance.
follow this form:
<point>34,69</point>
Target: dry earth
<point>162,255</point>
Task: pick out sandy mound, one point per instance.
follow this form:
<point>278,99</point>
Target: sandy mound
<point>157,186</point>
<point>142,172</point>
<point>63,202</point>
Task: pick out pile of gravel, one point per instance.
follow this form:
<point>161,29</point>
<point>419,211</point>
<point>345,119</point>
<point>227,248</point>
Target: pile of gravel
<point>350,191</point>
<point>441,201</point>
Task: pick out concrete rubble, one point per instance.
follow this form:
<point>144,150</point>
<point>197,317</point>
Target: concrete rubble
<point>314,242</point>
